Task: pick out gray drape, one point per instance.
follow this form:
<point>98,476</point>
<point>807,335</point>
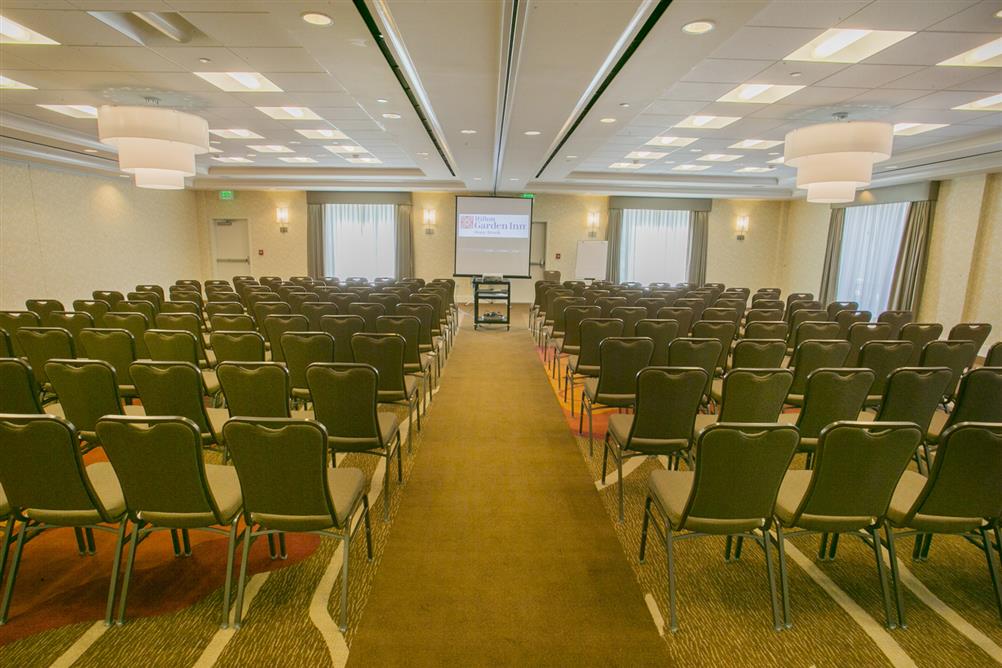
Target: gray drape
<point>614,235</point>
<point>698,239</point>
<point>405,242</point>
<point>315,240</point>
<point>833,254</point>
<point>909,270</point>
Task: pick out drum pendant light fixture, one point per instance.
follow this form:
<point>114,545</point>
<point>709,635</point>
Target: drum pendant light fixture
<point>833,159</point>
<point>157,145</point>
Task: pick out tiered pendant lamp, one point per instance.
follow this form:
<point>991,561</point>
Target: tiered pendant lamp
<point>157,145</point>
<point>833,159</point>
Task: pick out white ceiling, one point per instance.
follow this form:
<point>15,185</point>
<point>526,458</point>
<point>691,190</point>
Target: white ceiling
<point>502,68</point>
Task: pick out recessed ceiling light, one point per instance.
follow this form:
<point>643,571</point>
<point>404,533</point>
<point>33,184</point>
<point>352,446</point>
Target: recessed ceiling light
<point>607,120</point>
<point>298,159</point>
<point>908,129</point>
<point>705,122</point>
<point>72,110</point>
<point>239,82</point>
<point>90,150</point>
<point>236,133</point>
<point>695,150</point>
<point>627,165</point>
<point>213,149</point>
<point>295,142</point>
<point>645,155</point>
<point>205,60</point>
<point>572,157</point>
<point>12,32</point>
<point>754,170</point>
<point>759,93</point>
<point>271,148</point>
<point>755,144</point>
<point>998,14</point>
<point>6,83</point>
<point>363,159</point>
<point>513,178</point>
<point>252,155</point>
<point>317,19</point>
<point>468,132</point>
<point>532,133</point>
<point>477,178</point>
<point>624,105</point>
<point>231,158</point>
<point>290,113</point>
<point>381,100</point>
<point>719,157</point>
<point>391,116</point>
<point>689,168</point>
<point>345,148</point>
<point>773,152</point>
<point>423,154</point>
<point>847,45</point>
<point>990,103</point>
<point>986,55</point>
<point>666,140</point>
<point>777,161</point>
<point>698,27</point>
<point>323,133</point>
<point>796,75</point>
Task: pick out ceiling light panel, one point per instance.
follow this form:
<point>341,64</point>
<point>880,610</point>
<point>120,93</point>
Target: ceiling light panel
<point>667,140</point>
<point>719,157</point>
<point>990,103</point>
<point>363,160</point>
<point>231,159</point>
<point>236,133</point>
<point>345,148</point>
<point>626,165</point>
<point>754,170</point>
<point>6,83</point>
<point>12,32</point>
<point>908,129</point>
<point>271,148</point>
<point>986,55</point>
<point>240,82</point>
<point>72,110</point>
<point>645,155</point>
<point>323,133</point>
<point>298,160</point>
<point>290,113</point>
<point>705,122</point>
<point>847,45</point>
<point>759,93</point>
<point>755,144</point>
<point>689,168</point>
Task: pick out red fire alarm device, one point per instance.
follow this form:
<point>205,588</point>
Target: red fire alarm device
<point>558,256</point>
<point>260,251</point>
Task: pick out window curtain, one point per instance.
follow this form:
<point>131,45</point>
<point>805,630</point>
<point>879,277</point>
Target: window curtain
<point>698,239</point>
<point>871,236</point>
<point>405,242</point>
<point>360,240</point>
<point>614,233</point>
<point>654,246</point>
<point>315,240</point>
<point>909,271</point>
<point>829,270</point>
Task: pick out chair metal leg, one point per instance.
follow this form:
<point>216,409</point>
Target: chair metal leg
<point>917,547</point>
<point>776,624</point>
<point>728,543</point>
<point>81,545</point>
<point>889,622</point>
<point>783,582</point>
<point>175,542</point>
<point>643,529</point>
<point>12,576</point>
<point>591,433</point>
<point>386,485</point>
<point>823,547</point>
<point>231,548</point>
<point>738,545</point>
<point>248,535</point>
<point>400,459</point>
<point>186,542</point>
<point>113,585</point>
<point>926,546</point>
<point>271,546</point>
<point>129,562</point>
<point>368,526</point>
<point>892,556</point>
<point>605,456</point>
<point>672,615</point>
<point>346,544</point>
<point>619,470</point>
<point>89,535</point>
<point>992,570</point>
<point>8,534</point>
<point>281,546</point>
<point>833,547</point>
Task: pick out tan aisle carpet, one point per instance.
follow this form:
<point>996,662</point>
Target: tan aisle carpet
<point>502,553</point>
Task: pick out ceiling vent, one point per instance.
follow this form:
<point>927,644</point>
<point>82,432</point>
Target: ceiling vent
<point>153,28</point>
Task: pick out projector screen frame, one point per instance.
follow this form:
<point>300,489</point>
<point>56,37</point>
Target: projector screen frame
<point>455,243</point>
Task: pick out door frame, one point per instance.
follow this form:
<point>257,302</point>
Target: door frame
<point>215,250</point>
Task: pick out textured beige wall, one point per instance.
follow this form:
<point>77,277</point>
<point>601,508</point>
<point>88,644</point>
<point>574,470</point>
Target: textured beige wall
<point>984,301</point>
<point>64,234</point>
<point>802,253</point>
<point>284,254</point>
<point>752,262</point>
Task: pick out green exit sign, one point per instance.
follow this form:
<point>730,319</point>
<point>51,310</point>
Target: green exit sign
<point>527,196</point>
<point>226,194</point>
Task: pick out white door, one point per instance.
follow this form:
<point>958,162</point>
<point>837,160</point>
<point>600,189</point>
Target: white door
<point>231,247</point>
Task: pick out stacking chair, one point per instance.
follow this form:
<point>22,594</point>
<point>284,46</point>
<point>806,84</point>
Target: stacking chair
<point>146,453</point>
<point>264,309</point>
<point>136,306</point>
<point>386,353</point>
<point>277,325</point>
<point>737,305</point>
<point>750,395</point>
<point>587,363</point>
<point>171,388</point>
<point>957,355</point>
<point>715,313</point>
<point>415,362</point>
<point>701,353</point>
<point>696,305</point>
<point>189,308</point>
<point>255,389</point>
<point>759,314</point>
<point>801,316</point>
<point>630,315</point>
<point>19,393</point>
<point>237,346</point>
<point>770,329</point>
<point>156,289</point>
<point>214,308</point>
<point>316,310</point>
<point>556,330</point>
<point>48,486</point>
<point>231,322</point>
<point>72,321</point>
<point>175,345</point>
<point>720,330</point>
<point>667,400</point>
<point>651,305</point>
<point>187,296</point>
<point>813,330</point>
<point>680,314</point>
<point>620,360</point>
<point>798,297</point>
<point>758,354</point>
<point>11,321</point>
<point>810,356</point>
<point>191,323</point>
<point>346,403</point>
<point>856,469</point>
<point>570,343</point>
<point>897,320</point>
<point>912,394</point>
<point>979,399</point>
<point>388,300</point>
<point>969,331</point>
<point>427,343</point>
<point>862,332</point>
<point>834,308</point>
<point>43,307</point>
<point>87,390</point>
<point>133,323</point>
<point>95,308</point>
<point>287,485</point>
<point>297,300</point>
<point>607,304</point>
<point>771,305</point>
<point>437,331</point>
<point>117,347</point>
<point>188,284</point>
<point>151,298</point>
<point>110,297</point>
<point>342,300</point>
<point>847,319</point>
<point>342,328</point>
<point>662,333</point>
<point>994,356</point>
<point>631,295</point>
<point>919,334</point>
<point>41,344</point>
<point>368,311</point>
<point>883,358</point>
<point>301,349</point>
<point>738,472</point>
<point>961,496</point>
<point>831,395</point>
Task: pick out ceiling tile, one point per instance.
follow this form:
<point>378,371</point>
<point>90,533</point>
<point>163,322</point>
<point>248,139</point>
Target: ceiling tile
<point>904,14</point>
<point>870,76</point>
<point>723,70</point>
<point>938,78</point>
<point>800,14</point>
<point>929,48</point>
<point>279,59</point>
<point>765,43</point>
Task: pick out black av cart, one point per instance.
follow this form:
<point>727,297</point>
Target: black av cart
<point>492,292</point>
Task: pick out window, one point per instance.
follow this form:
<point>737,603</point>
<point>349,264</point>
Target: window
<point>655,246</point>
<point>360,240</point>
<point>871,237</point>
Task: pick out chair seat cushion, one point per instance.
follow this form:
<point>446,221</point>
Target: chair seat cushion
<point>4,504</point>
<point>105,483</point>
<point>410,389</point>
<point>939,419</point>
<point>795,399</point>
<point>717,389</point>
<point>346,486</point>
<point>620,425</point>
<point>671,490</point>
<point>211,381</point>
<point>905,494</point>
<point>704,420</point>
<point>621,400</point>
<point>225,487</point>
<point>791,493</point>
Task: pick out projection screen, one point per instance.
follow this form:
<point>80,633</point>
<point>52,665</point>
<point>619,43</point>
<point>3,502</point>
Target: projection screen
<point>492,236</point>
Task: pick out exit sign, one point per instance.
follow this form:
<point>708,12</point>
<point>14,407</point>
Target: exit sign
<point>527,195</point>
<point>226,194</point>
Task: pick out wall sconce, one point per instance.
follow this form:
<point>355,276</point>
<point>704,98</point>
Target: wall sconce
<point>429,221</point>
<point>282,216</point>
<point>742,227</point>
<point>592,224</point>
